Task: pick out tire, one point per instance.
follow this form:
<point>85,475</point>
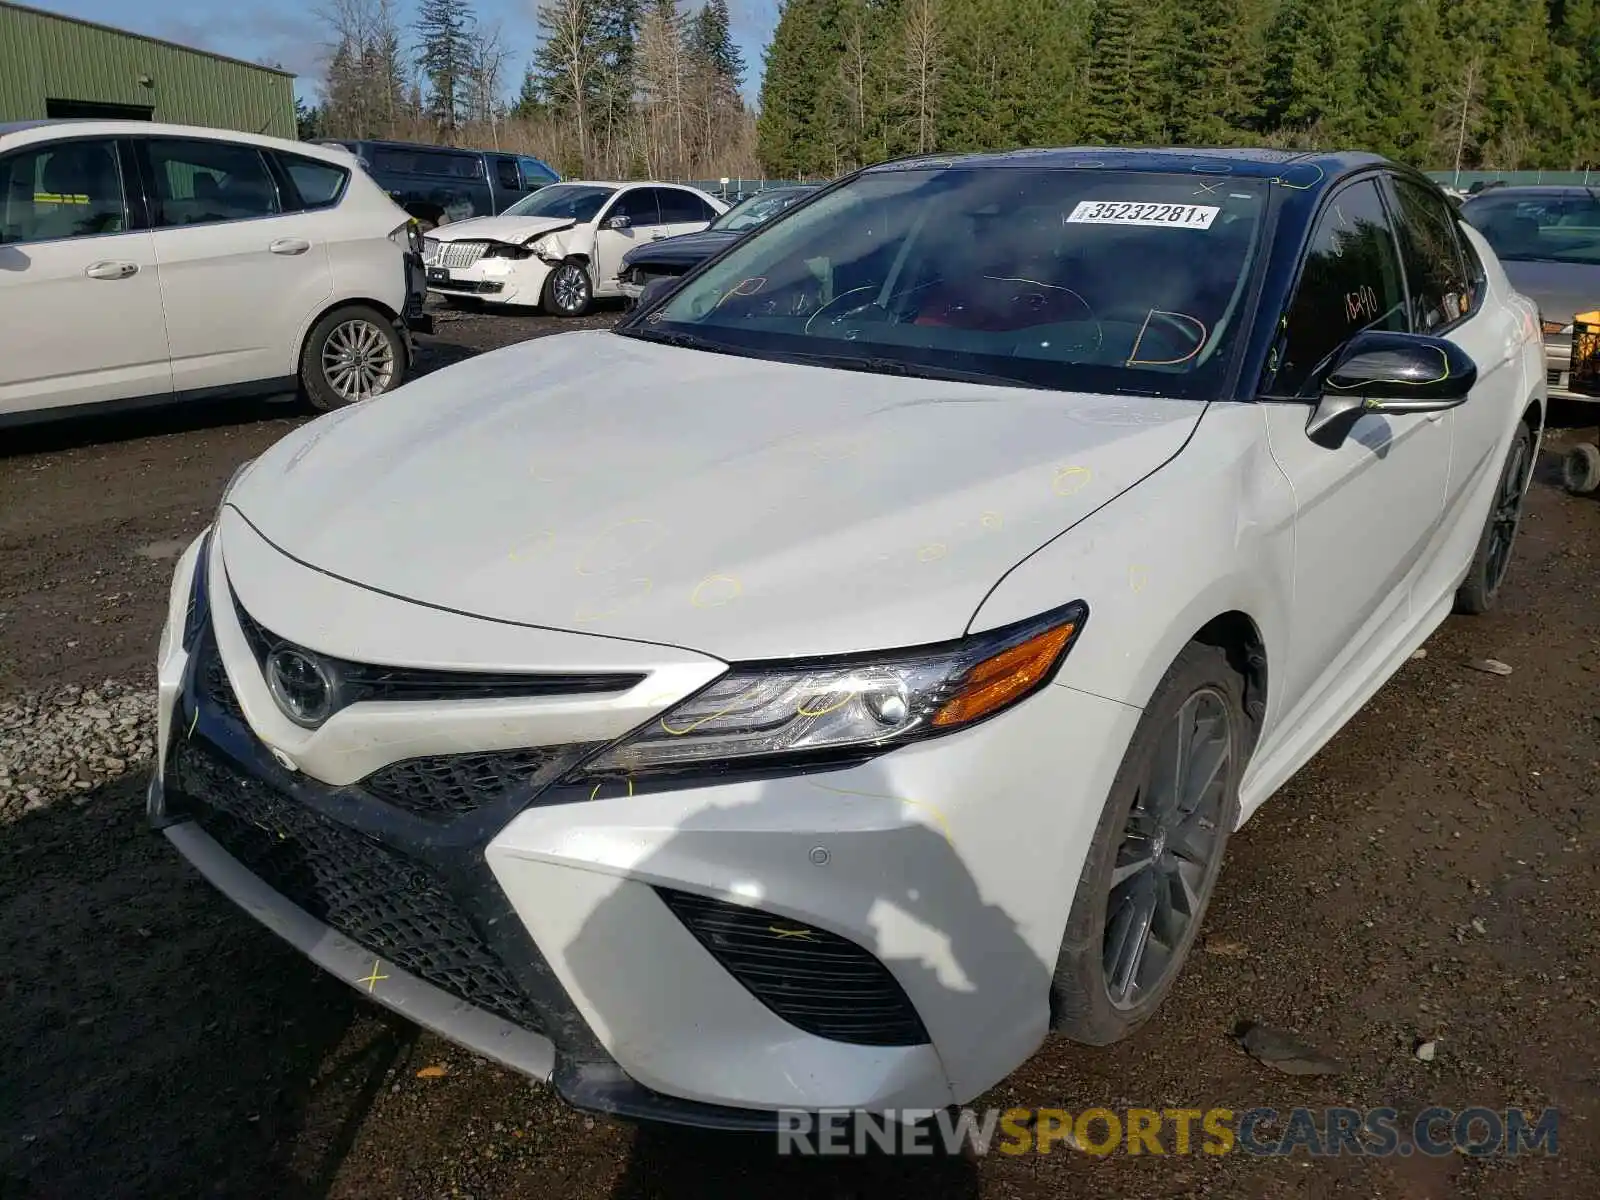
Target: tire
<point>568,291</point>
<point>1492,558</point>
<point>1200,683</point>
<point>1580,469</point>
<point>358,334</point>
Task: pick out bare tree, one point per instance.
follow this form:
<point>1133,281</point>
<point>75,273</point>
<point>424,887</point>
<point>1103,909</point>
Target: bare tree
<point>486,68</point>
<point>663,83</point>
<point>1466,110</point>
<point>570,59</point>
<point>921,55</point>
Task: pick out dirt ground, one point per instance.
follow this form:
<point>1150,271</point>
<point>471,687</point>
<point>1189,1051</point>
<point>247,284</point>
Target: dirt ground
<point>1428,877</point>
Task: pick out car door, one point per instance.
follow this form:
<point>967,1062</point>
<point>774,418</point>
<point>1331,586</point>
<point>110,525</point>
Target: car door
<point>80,302</point>
<point>241,278</point>
<point>1368,513</point>
<point>640,206</point>
<point>1446,286</point>
<point>506,181</point>
<point>684,212</point>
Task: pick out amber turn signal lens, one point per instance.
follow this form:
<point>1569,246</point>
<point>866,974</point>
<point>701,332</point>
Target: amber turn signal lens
<point>997,681</point>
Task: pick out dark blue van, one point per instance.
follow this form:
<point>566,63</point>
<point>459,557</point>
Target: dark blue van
<point>440,184</point>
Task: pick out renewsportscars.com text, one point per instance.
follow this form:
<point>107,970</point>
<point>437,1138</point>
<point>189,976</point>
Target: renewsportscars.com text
<point>1320,1133</point>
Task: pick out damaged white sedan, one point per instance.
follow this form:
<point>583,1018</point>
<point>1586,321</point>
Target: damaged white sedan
<point>562,246</point>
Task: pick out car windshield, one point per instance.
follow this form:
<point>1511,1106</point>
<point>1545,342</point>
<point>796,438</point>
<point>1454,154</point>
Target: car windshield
<point>1539,227</point>
<point>1083,280</point>
<point>756,210</point>
<point>579,201</point>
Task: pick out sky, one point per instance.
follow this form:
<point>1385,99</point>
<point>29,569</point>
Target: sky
<point>291,33</point>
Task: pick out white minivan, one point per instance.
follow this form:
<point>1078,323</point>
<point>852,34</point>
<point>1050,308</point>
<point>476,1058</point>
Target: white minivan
<point>143,263</point>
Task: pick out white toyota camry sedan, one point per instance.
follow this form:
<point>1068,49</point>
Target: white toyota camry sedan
<point>850,669</point>
<point>562,246</point>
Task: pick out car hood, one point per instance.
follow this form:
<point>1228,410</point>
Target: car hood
<point>689,248</point>
<point>499,229</point>
<point>740,507</point>
<point>1561,290</point>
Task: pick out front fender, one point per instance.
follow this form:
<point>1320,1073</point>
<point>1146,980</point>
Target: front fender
<point>1210,532</point>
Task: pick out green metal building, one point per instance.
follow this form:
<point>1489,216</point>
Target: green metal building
<point>55,66</point>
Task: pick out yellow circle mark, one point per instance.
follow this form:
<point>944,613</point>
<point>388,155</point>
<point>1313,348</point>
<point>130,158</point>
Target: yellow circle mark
<point>540,541</point>
<point>1137,577</point>
<point>822,712</point>
<point>693,725</point>
<point>991,520</point>
<point>602,784</point>
<point>1072,480</point>
<point>716,590</point>
<point>932,552</point>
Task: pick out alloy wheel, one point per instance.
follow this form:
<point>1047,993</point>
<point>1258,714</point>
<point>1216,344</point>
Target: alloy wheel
<point>358,360</point>
<point>1165,864</point>
<point>570,287</point>
<point>1507,514</point>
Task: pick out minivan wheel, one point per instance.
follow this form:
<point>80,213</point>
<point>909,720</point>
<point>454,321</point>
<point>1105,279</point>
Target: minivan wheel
<point>1481,588</point>
<point>567,291</point>
<point>354,353</point>
<point>1156,853</point>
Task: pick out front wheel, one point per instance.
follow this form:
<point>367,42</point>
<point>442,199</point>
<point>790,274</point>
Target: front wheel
<point>1481,588</point>
<point>354,353</point>
<point>1156,853</point>
<point>567,290</point>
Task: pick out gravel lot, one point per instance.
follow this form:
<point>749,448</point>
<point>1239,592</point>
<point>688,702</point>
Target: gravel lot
<point>1428,877</point>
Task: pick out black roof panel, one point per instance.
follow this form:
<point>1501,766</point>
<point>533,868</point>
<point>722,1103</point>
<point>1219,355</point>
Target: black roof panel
<point>1249,162</point>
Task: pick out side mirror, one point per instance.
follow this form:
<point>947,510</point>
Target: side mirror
<point>1389,373</point>
<point>618,222</point>
<point>655,289</point>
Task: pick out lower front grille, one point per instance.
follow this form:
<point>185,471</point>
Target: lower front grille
<point>451,784</point>
<point>818,981</point>
<point>216,686</point>
<point>378,898</point>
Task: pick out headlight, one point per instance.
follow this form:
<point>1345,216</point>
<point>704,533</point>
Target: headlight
<point>861,706</point>
<point>545,248</point>
<point>506,250</point>
<point>430,250</point>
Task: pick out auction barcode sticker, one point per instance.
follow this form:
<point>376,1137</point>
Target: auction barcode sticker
<point>1119,212</point>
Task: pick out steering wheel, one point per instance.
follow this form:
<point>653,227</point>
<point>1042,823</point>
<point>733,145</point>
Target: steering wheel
<point>1178,336</point>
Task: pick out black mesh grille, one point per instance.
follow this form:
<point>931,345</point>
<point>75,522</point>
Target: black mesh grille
<point>816,980</point>
<point>214,683</point>
<point>451,784</point>
<point>382,900</point>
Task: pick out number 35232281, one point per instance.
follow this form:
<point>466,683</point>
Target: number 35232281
<point>1118,212</point>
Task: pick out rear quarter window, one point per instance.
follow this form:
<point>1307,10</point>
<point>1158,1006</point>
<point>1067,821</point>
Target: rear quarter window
<point>320,184</point>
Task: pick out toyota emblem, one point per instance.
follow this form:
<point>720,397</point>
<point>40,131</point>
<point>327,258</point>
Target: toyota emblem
<point>301,686</point>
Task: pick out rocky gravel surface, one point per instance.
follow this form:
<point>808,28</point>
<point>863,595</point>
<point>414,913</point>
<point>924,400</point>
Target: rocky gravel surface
<point>1412,920</point>
<point>63,743</point>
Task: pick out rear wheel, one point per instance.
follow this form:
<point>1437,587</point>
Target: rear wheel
<point>1156,853</point>
<point>354,353</point>
<point>1481,588</point>
<point>568,291</point>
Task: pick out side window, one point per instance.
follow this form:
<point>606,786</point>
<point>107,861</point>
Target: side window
<point>639,206</point>
<point>1351,282</point>
<point>320,184</point>
<point>62,190</point>
<point>198,183</point>
<point>535,173</point>
<point>1436,271</point>
<point>505,174</point>
<point>679,207</point>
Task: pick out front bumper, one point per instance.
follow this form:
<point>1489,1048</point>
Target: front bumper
<point>518,281</point>
<point>566,949</point>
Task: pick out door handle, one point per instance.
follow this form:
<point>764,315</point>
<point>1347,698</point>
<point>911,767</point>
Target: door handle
<point>111,270</point>
<point>290,246</point>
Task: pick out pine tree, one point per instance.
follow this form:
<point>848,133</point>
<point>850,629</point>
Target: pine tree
<point>1124,86</point>
<point>1406,80</point>
<point>710,37</point>
<point>444,35</point>
<point>1316,74</point>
